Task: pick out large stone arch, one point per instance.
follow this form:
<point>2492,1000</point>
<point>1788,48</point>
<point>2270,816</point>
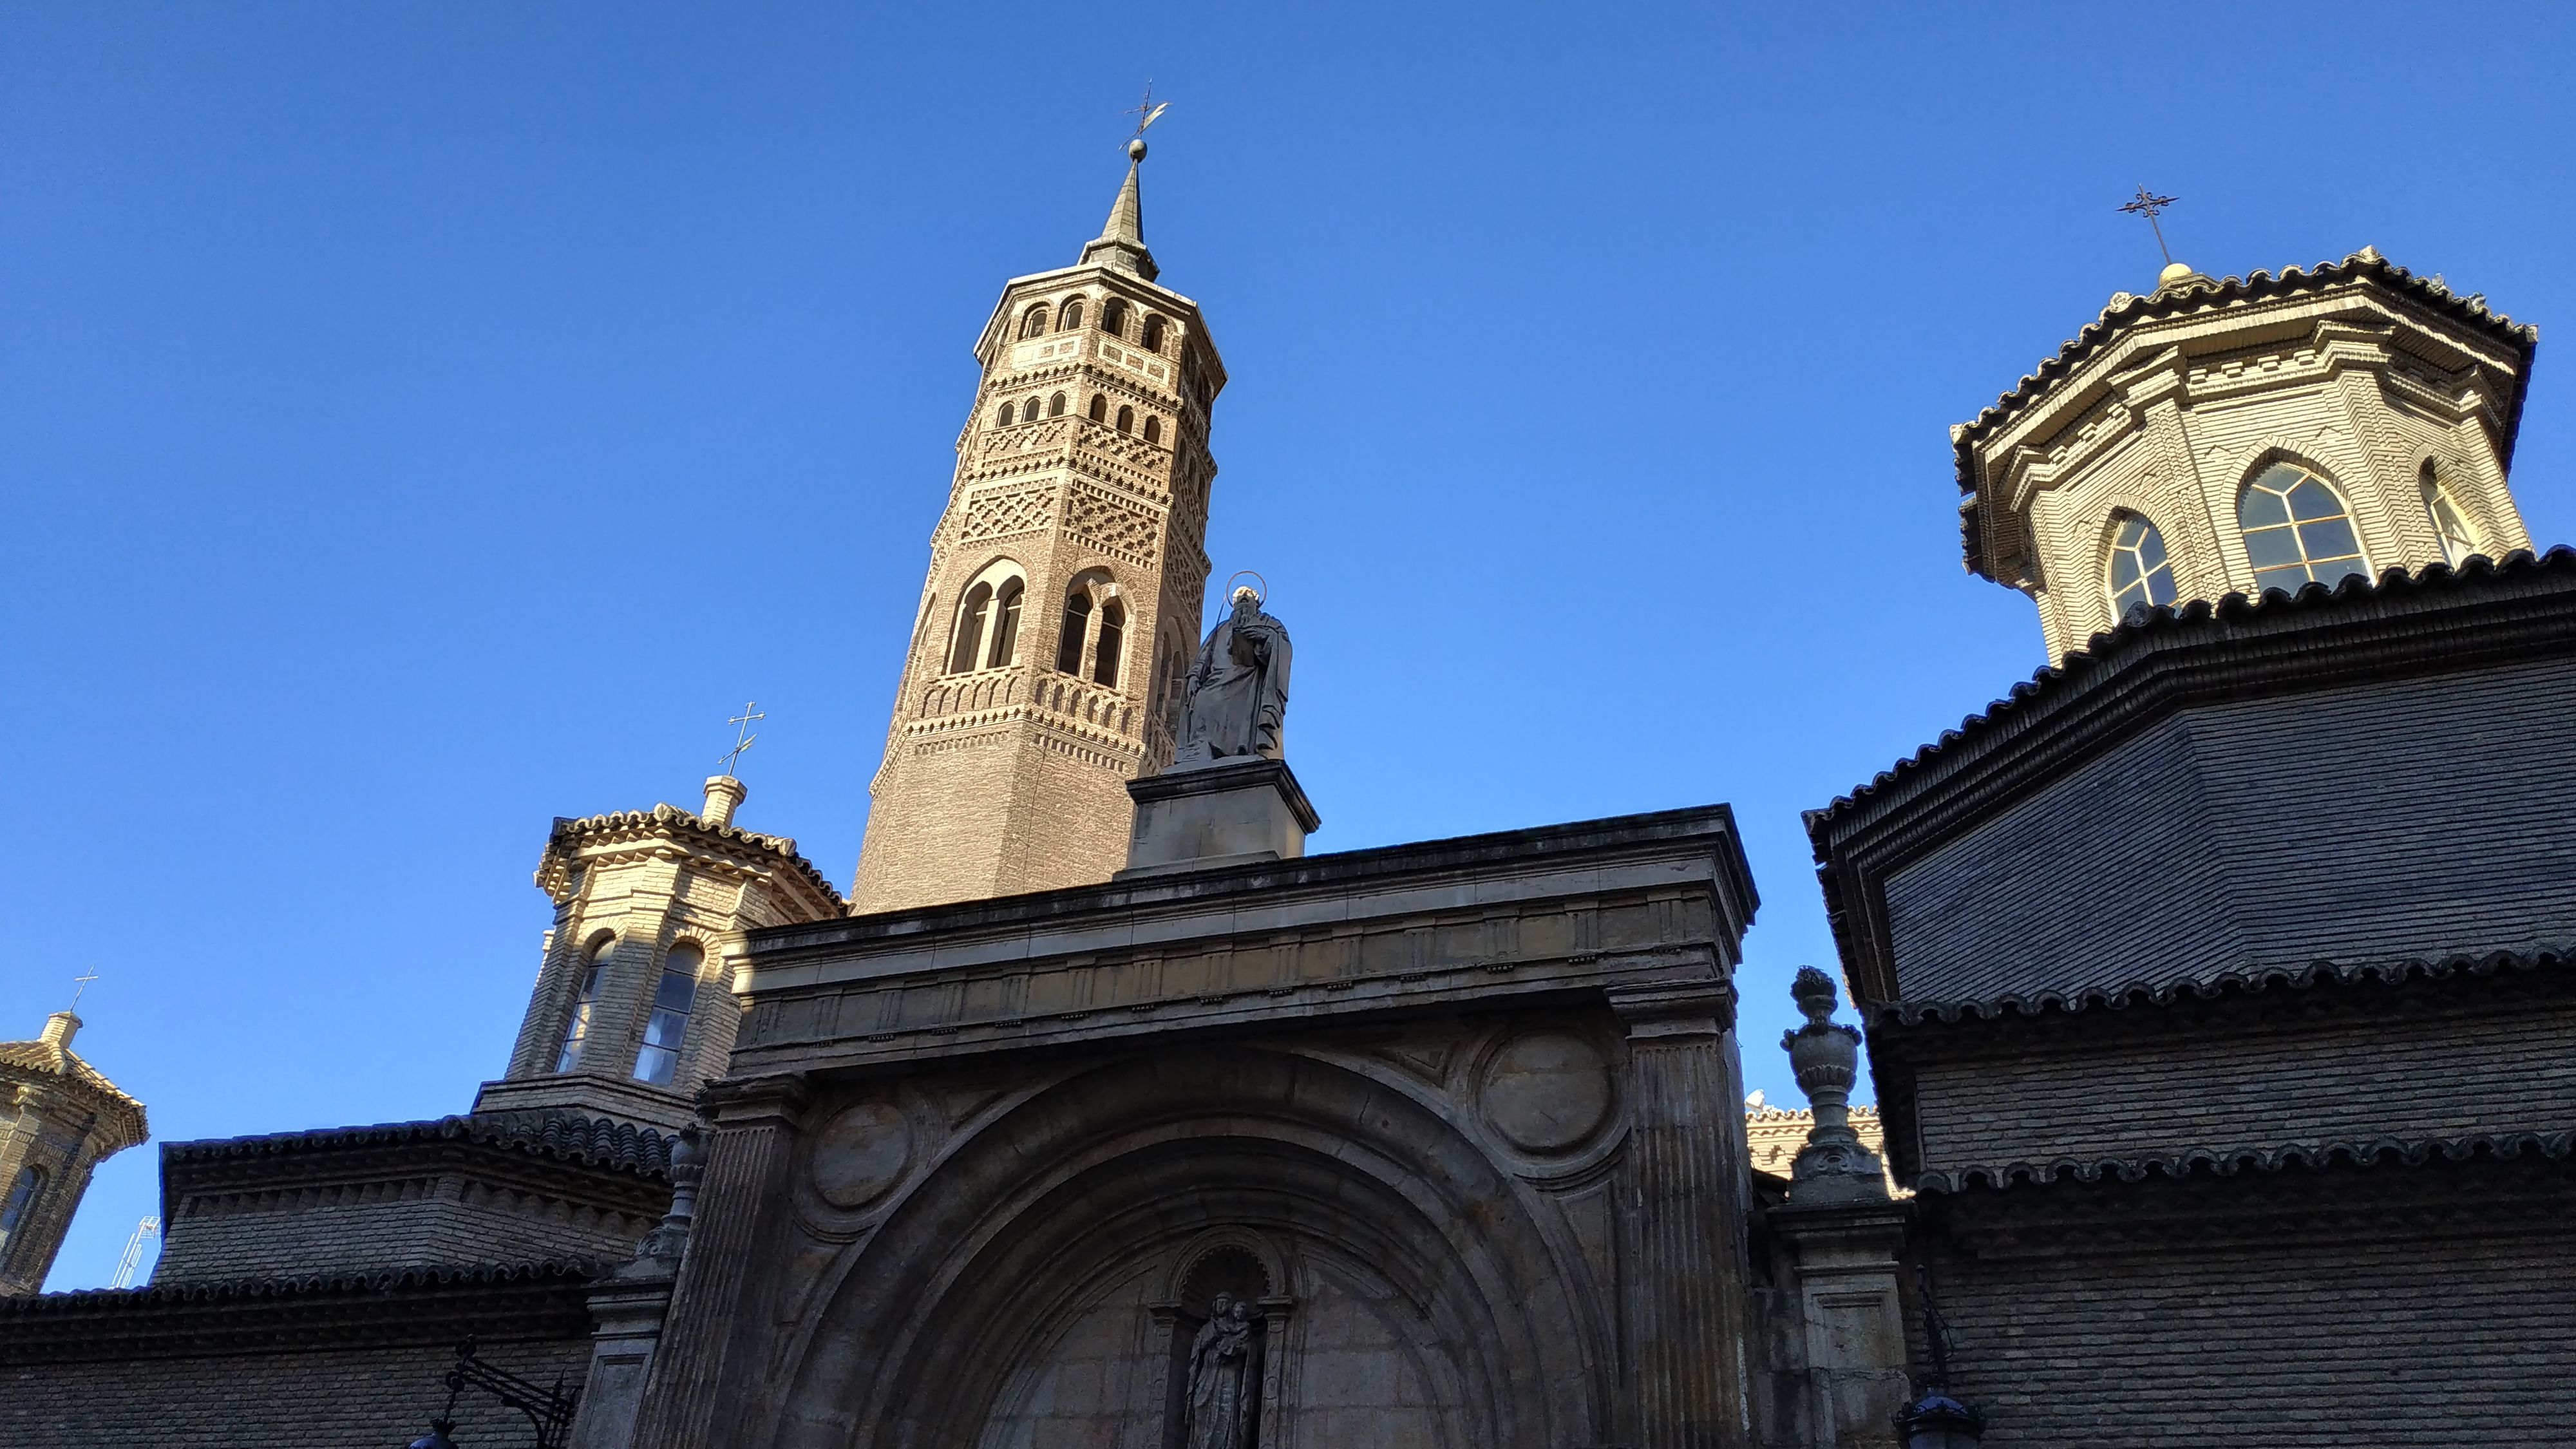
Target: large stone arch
<point>1057,1207</point>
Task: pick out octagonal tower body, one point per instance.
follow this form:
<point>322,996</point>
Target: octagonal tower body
<point>1062,601</point>
<point>2381,389</point>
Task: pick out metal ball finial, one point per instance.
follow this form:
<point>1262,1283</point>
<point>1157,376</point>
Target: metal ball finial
<point>1136,149</point>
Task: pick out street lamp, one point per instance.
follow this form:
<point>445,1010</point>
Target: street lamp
<point>1932,1419</point>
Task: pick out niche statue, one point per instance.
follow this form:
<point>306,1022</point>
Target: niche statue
<point>1237,692</point>
<point>1220,1377</point>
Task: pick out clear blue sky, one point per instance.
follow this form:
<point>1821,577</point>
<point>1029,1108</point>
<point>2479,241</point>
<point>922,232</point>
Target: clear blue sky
<point>421,420</point>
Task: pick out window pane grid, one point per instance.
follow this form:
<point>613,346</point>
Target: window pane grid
<point>2141,572</point>
<point>2297,530</point>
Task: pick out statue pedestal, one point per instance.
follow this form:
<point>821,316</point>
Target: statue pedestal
<point>1235,811</point>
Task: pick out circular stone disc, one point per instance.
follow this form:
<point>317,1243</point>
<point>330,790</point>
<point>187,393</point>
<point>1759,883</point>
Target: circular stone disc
<point>1547,1090</point>
<point>861,1153</point>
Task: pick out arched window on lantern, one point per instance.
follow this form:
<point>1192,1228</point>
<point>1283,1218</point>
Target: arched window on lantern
<point>1113,643</point>
<point>585,1004</point>
<point>1153,430</point>
<point>2136,568</point>
<point>1099,408</point>
<point>24,1193</point>
<point>985,635</point>
<point>1126,419</point>
<point>2459,541</point>
<point>2297,529</point>
<point>1113,317</point>
<point>1153,339</point>
<point>1072,316</point>
<point>1006,624</point>
<point>658,1059</point>
<point>1033,323</point>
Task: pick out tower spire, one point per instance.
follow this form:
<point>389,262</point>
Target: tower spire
<point>1121,243</point>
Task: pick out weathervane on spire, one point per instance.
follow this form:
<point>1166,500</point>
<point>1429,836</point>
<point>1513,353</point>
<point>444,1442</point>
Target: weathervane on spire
<point>2151,206</point>
<point>743,739</point>
<point>1146,112</point>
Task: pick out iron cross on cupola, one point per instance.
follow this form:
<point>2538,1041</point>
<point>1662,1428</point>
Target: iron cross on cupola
<point>743,739</point>
<point>2151,206</point>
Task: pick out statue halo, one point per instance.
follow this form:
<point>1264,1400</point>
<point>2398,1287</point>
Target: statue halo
<point>1260,595</point>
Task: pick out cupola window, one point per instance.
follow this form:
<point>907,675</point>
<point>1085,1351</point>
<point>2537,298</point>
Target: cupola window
<point>2139,570</point>
<point>586,1005</point>
<point>1153,334</point>
<point>2459,543</point>
<point>659,1058</point>
<point>1034,324</point>
<point>2297,530</point>
<point>1072,316</point>
<point>21,1203</point>
<point>1113,317</point>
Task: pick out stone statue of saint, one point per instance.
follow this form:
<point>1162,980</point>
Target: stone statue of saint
<point>1237,692</point>
<point>1221,1389</point>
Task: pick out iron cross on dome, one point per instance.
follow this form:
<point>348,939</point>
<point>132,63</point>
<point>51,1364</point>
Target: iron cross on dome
<point>2151,206</point>
<point>743,739</point>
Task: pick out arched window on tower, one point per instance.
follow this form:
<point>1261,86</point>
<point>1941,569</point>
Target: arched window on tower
<point>658,1059</point>
<point>1113,317</point>
<point>19,1205</point>
<point>1055,406</point>
<point>1077,624</point>
<point>1072,317</point>
<point>1113,642</point>
<point>1033,322</point>
<point>971,612</point>
<point>2138,571</point>
<point>1006,625</point>
<point>1002,416</point>
<point>1126,419</point>
<point>2297,529</point>
<point>1153,334</point>
<point>2459,541</point>
<point>1153,430</point>
<point>1099,408</point>
<point>585,1005</point>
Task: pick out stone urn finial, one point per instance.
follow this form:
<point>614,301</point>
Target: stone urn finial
<point>1833,1166</point>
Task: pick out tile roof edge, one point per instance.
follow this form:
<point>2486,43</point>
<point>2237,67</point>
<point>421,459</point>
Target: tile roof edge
<point>2244,982</point>
<point>304,1285</point>
<point>2230,1161</point>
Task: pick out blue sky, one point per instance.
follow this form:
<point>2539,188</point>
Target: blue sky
<point>419,421</point>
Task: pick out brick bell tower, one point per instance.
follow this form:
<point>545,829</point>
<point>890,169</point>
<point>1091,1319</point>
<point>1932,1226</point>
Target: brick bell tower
<point>1062,602</point>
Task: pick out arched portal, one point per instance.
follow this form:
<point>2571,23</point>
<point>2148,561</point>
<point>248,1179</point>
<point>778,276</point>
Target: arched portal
<point>1046,1281</point>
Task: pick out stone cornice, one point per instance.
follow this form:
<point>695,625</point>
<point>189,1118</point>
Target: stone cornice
<point>45,1066</point>
<point>2158,661</point>
<point>501,1302</point>
<point>2229,1161</point>
<point>1641,903</point>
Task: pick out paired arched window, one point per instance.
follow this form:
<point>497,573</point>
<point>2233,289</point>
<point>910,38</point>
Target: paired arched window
<point>2297,529</point>
<point>1055,406</point>
<point>20,1204</point>
<point>2138,571</point>
<point>1113,642</point>
<point>1153,430</point>
<point>1153,338</point>
<point>659,1057</point>
<point>1099,408</point>
<point>988,621</point>
<point>1033,323</point>
<point>1126,419</point>
<point>2459,542</point>
<point>1072,317</point>
<point>585,1006</point>
<point>1077,624</point>
<point>1113,317</point>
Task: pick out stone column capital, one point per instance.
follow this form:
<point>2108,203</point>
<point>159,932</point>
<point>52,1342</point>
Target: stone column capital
<point>771,1101</point>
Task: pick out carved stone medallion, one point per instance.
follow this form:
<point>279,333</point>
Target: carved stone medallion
<point>1547,1091</point>
<point>861,1153</point>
